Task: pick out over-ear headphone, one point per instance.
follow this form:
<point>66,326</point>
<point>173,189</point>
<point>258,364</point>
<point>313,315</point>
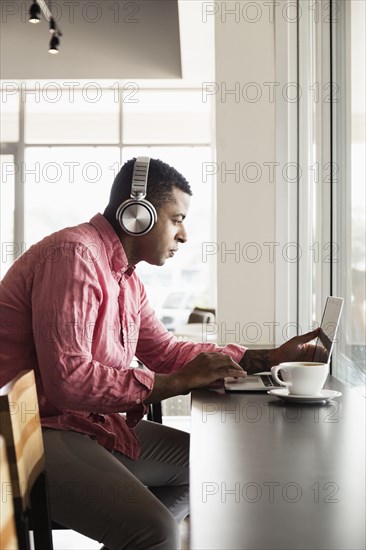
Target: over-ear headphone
<point>136,215</point>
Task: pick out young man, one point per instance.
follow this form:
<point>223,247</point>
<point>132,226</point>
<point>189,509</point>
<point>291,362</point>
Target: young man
<point>74,310</point>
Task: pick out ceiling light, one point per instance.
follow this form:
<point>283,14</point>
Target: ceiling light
<point>42,7</point>
<point>34,12</point>
<point>52,25</point>
<point>54,43</point>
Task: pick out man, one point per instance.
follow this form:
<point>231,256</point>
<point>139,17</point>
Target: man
<point>74,310</point>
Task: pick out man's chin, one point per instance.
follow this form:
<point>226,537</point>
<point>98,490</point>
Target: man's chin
<point>158,263</point>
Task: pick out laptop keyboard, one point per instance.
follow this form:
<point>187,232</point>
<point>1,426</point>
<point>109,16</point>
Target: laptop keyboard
<point>269,382</point>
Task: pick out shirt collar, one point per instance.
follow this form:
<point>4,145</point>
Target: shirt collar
<point>115,252</point>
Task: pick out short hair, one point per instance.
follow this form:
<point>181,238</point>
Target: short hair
<point>161,181</point>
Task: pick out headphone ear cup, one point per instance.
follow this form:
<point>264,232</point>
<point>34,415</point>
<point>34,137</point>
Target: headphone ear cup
<point>136,217</point>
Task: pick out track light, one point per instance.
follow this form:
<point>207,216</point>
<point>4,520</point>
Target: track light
<point>41,6</point>
<point>34,12</point>
<point>54,43</point>
<point>52,25</point>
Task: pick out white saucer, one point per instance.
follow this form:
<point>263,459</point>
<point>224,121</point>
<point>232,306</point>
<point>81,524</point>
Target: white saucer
<point>323,397</point>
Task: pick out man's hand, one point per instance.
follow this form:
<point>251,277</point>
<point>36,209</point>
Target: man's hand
<point>206,368</point>
<point>298,348</point>
<point>201,371</point>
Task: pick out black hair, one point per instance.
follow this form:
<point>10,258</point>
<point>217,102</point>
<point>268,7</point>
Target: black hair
<point>161,181</point>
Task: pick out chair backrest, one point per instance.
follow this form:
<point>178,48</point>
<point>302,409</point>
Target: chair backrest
<point>201,315</point>
<point>21,428</point>
<point>8,537</point>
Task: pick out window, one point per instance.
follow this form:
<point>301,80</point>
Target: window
<point>63,147</point>
<point>7,196</point>
<point>166,116</point>
<point>316,248</point>
<point>9,114</point>
<point>349,199</point>
<point>58,115</point>
<point>64,186</point>
<point>331,183</point>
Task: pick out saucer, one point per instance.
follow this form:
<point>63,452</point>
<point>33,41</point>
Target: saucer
<point>323,397</point>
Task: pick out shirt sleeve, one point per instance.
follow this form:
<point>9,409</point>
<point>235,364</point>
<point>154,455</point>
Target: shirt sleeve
<point>66,297</point>
<point>159,349</point>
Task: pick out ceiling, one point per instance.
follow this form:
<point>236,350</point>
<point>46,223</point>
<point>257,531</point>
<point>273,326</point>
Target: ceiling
<point>105,39</point>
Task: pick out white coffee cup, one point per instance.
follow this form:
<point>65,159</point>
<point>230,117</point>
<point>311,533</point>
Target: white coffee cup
<point>302,378</point>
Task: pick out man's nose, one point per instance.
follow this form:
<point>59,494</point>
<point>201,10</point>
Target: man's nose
<point>182,234</point>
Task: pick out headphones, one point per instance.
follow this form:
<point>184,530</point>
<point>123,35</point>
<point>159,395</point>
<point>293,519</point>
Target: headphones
<point>136,215</point>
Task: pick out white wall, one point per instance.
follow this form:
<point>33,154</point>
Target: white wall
<point>245,132</point>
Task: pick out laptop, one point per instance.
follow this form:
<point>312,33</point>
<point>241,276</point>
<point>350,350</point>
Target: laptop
<point>263,381</point>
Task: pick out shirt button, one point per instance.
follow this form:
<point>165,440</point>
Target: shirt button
<point>138,401</point>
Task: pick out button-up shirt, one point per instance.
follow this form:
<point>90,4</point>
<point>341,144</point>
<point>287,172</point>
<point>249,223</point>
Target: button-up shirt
<point>74,311</point>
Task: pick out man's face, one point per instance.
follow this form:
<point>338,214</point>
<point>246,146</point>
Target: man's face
<point>162,241</point>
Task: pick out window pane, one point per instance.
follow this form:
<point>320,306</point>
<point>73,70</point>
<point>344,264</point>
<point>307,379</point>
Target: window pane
<point>9,248</point>
<point>65,186</point>
<point>165,116</point>
<point>9,108</point>
<point>55,115</point>
<point>350,200</point>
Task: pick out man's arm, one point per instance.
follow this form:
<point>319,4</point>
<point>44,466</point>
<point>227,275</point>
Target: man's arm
<point>201,371</point>
<point>161,352</point>
<point>258,360</point>
<point>206,368</point>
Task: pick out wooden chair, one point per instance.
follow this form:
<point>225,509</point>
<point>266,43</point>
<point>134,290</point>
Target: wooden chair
<point>21,429</point>
<point>8,536</point>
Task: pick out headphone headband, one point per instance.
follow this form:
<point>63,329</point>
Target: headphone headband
<point>139,178</point>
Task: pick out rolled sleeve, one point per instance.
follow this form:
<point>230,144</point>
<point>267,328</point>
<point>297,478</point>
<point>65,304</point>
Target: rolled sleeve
<point>142,389</point>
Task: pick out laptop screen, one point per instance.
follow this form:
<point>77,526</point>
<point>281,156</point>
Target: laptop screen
<point>328,329</point>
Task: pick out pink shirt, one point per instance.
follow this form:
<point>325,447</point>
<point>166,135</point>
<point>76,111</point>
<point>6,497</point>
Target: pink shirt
<point>73,311</point>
